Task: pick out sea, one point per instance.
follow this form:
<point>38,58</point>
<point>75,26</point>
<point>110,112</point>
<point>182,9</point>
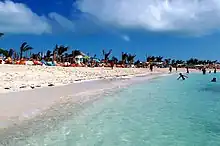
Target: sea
<point>158,112</point>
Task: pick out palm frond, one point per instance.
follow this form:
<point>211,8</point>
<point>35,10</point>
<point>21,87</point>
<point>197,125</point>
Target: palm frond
<point>4,52</point>
<point>27,48</point>
<point>23,45</point>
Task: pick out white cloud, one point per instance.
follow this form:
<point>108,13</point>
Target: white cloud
<point>191,16</point>
<point>18,18</point>
<point>62,21</point>
<point>126,38</point>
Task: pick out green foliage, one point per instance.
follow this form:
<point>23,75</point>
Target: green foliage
<point>106,55</point>
<point>4,52</point>
<point>23,48</point>
<point>130,58</point>
<point>59,50</point>
<point>76,53</point>
<point>114,59</point>
<point>124,57</point>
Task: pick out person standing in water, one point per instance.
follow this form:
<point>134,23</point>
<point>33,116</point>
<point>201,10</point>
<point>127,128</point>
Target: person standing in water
<point>182,76</point>
<point>170,68</point>
<point>187,70</point>
<point>203,71</point>
<point>151,67</point>
<point>214,70</point>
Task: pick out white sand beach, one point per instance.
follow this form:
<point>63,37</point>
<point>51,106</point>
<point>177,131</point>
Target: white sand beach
<point>17,78</point>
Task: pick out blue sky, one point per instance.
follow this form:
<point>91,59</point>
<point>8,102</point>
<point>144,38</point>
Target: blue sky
<point>179,29</point>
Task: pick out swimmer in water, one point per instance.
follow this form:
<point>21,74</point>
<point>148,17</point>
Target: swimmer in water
<point>214,70</point>
<point>213,80</point>
<point>182,76</point>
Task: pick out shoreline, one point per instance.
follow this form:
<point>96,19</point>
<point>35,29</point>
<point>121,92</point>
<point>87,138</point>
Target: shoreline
<point>17,78</point>
<point>56,108</point>
<point>41,114</point>
<point>26,104</point>
<point>20,111</point>
<point>16,107</point>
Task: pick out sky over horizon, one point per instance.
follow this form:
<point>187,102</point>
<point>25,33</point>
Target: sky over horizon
<point>178,29</point>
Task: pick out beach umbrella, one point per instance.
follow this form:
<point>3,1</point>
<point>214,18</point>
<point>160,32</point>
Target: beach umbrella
<point>96,60</point>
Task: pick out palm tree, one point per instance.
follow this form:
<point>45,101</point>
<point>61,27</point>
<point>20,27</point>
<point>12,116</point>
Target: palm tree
<point>106,55</point>
<point>167,61</point>
<point>158,58</point>
<point>124,57</point>
<point>194,61</point>
<point>59,50</point>
<point>76,53</point>
<point>180,62</point>
<point>173,62</point>
<point>48,55</point>
<point>151,58</point>
<point>24,47</point>
<point>4,52</point>
<point>7,53</point>
<point>115,60</point>
<point>215,61</point>
<point>35,56</point>
<point>130,59</point>
<point>94,57</point>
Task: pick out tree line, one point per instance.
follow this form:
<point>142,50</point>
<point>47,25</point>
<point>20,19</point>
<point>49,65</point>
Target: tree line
<point>59,53</point>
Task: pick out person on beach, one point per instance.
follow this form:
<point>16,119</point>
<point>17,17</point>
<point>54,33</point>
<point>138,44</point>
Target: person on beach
<point>203,71</point>
<point>213,80</point>
<point>214,70</point>
<point>182,76</point>
<point>170,68</point>
<point>187,70</point>
<point>151,67</point>
<point>176,68</point>
<point>112,64</point>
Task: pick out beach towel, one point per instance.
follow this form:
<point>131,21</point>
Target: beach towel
<point>50,64</point>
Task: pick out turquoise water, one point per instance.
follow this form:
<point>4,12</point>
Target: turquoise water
<point>160,112</point>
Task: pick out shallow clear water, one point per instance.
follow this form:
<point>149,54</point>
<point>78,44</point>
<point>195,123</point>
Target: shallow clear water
<point>160,112</point>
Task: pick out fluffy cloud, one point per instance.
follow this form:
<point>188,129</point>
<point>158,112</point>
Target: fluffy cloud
<point>191,16</point>
<point>18,18</point>
<point>62,21</point>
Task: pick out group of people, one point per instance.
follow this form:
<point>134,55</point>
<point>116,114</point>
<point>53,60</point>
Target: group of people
<point>183,77</point>
<point>203,71</point>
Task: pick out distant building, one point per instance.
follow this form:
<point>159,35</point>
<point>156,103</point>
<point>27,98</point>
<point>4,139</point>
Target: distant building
<point>76,57</point>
